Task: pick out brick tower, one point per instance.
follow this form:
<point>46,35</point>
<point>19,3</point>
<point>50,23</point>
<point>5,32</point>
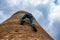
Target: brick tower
<point>12,30</point>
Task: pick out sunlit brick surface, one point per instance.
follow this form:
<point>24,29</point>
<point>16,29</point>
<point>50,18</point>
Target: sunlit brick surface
<point>12,30</point>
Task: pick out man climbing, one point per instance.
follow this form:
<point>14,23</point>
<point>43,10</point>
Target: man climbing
<point>30,16</point>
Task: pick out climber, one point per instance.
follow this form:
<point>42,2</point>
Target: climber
<point>30,16</point>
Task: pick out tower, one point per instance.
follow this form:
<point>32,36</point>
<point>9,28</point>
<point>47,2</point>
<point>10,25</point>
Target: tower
<point>12,30</point>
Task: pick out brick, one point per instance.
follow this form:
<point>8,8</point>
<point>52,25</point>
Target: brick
<point>12,30</point>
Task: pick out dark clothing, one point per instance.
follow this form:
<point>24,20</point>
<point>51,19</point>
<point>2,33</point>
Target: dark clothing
<point>28,15</point>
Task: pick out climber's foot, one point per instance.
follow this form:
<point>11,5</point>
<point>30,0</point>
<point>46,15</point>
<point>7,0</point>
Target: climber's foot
<point>35,30</point>
<point>22,22</point>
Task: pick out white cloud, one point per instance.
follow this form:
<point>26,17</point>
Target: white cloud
<point>53,16</point>
<point>3,17</point>
<point>34,2</point>
<point>37,13</point>
<point>45,1</point>
<point>54,13</point>
<point>1,13</point>
<point>59,1</point>
<point>12,3</point>
<point>26,2</point>
<point>38,2</point>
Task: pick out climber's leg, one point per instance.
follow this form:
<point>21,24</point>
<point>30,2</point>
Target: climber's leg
<point>32,24</point>
<point>22,20</point>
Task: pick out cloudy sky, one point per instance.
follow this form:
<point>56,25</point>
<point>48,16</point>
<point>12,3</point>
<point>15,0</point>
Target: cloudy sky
<point>46,12</point>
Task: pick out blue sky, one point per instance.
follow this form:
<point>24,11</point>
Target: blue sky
<point>46,12</point>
